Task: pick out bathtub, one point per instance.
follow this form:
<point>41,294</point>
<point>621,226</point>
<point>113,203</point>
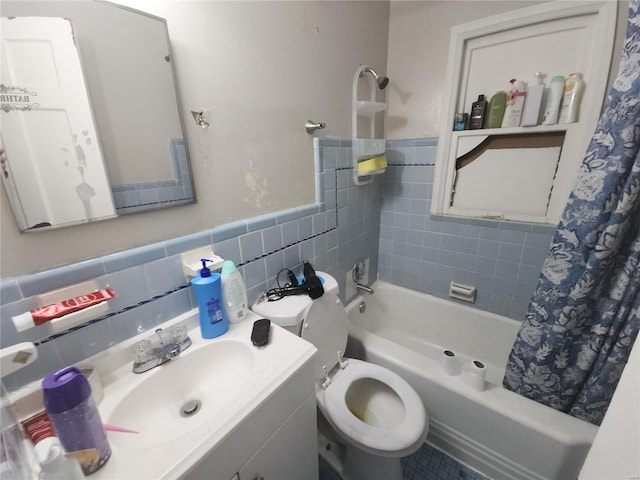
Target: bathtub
<point>495,431</point>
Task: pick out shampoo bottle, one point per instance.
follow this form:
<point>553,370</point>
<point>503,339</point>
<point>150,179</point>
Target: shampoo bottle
<point>533,103</point>
<point>478,110</point>
<point>554,97</point>
<point>515,104</point>
<point>234,293</point>
<point>497,106</point>
<point>573,88</point>
<point>208,291</point>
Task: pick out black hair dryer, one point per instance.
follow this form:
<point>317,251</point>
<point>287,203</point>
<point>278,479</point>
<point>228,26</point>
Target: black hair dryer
<point>311,283</point>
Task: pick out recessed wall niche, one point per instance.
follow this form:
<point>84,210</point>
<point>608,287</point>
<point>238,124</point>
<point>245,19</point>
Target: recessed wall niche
<point>555,38</point>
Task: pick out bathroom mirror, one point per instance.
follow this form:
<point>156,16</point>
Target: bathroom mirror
<point>129,76</point>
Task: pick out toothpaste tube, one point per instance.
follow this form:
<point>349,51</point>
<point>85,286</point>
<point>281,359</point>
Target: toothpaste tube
<point>38,316</point>
<point>38,427</point>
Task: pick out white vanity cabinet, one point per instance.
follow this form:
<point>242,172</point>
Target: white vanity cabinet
<point>291,452</point>
<point>278,441</point>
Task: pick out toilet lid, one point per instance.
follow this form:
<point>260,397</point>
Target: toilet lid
<point>325,326</point>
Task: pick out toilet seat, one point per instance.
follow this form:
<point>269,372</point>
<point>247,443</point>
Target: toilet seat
<point>399,440</point>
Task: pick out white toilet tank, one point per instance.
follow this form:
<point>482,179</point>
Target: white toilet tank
<point>289,311</point>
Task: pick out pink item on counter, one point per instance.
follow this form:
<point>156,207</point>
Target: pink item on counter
<point>114,428</point>
<point>41,315</point>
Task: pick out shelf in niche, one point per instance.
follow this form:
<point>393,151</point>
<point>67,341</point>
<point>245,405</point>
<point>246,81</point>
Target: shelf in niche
<point>560,127</point>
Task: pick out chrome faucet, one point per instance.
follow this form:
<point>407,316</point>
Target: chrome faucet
<point>148,356</point>
<point>364,288</point>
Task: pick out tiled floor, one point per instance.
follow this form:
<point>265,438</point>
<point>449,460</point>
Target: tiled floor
<point>428,463</point>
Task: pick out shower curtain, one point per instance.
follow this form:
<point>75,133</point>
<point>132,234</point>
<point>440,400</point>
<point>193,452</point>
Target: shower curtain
<point>585,312</point>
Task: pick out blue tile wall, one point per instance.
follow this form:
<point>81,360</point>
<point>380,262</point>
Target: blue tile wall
<point>342,226</point>
<point>387,221</point>
<point>426,252</point>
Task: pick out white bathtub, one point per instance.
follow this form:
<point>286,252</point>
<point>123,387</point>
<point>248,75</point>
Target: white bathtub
<point>499,433</point>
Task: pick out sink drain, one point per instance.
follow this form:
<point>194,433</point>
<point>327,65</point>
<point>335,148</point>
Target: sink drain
<point>190,408</point>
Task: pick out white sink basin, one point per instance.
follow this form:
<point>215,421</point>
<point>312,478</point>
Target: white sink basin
<point>191,390</point>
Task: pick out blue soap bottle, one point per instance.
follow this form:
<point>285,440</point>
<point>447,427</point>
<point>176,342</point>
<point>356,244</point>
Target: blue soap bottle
<point>207,288</point>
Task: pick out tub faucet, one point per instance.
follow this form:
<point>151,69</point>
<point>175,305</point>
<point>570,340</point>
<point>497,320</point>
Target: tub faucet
<point>364,288</point>
<point>148,356</point>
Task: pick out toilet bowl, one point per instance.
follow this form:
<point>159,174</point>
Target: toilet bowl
<point>369,414</point>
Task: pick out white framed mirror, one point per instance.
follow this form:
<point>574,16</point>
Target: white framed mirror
<point>130,80</point>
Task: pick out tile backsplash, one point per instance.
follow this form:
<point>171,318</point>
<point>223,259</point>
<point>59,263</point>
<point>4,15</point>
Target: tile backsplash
<point>387,221</point>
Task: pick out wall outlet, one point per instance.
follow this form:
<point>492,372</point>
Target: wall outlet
<point>191,263</point>
<point>350,283</point>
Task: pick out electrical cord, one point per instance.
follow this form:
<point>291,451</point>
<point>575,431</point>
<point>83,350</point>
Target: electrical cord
<point>281,291</point>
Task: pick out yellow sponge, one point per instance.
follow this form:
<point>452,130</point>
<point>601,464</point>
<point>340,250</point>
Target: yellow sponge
<point>373,165</point>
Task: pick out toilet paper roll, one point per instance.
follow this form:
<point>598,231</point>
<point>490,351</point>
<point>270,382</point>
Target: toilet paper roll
<point>450,363</point>
<point>474,374</point>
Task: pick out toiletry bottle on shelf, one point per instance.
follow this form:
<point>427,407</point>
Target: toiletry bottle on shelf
<point>497,106</point>
<point>515,104</point>
<point>533,102</point>
<point>478,111</point>
<point>460,121</point>
<point>76,420</point>
<point>234,293</point>
<point>573,88</point>
<point>554,97</point>
<point>207,288</point>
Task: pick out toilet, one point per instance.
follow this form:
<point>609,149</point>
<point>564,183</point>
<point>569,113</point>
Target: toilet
<point>370,417</point>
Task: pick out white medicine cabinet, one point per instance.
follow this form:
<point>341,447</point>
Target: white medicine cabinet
<point>520,173</point>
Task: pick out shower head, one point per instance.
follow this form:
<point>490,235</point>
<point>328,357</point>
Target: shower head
<point>381,81</point>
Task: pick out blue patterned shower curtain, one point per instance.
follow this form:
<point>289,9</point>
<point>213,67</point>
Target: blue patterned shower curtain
<point>585,312</point>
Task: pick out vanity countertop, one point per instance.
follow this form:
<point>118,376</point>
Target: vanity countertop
<point>169,445</point>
